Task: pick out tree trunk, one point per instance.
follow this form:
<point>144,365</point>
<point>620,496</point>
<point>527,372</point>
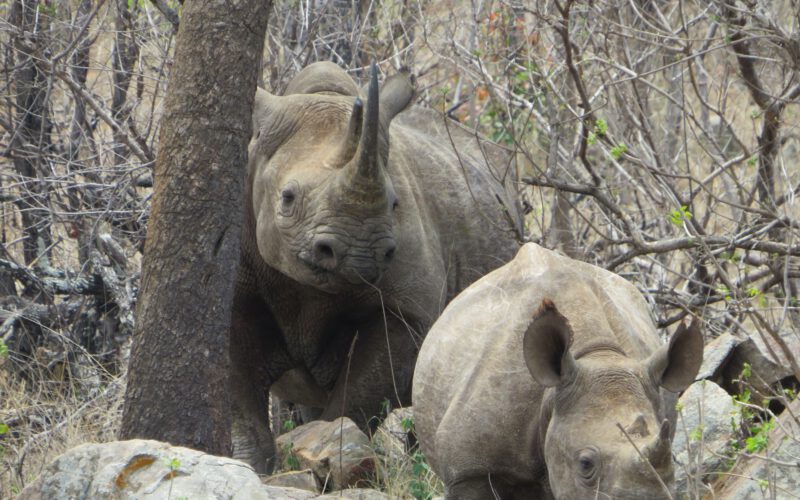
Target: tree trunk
<point>32,139</point>
<point>178,375</point>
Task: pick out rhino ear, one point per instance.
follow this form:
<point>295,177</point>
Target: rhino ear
<point>546,346</point>
<point>675,365</point>
<point>271,123</point>
<point>262,106</point>
<point>396,95</point>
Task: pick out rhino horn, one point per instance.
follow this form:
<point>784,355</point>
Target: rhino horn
<point>659,451</point>
<point>364,169</point>
<point>369,158</point>
<point>349,146</point>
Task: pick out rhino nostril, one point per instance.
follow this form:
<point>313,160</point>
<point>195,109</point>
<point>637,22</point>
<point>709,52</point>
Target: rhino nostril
<point>324,250</point>
<point>389,255</point>
<point>324,253</point>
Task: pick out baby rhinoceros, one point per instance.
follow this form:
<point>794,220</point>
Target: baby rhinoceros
<point>547,379</point>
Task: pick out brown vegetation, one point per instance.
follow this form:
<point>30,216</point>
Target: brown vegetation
<point>656,139</point>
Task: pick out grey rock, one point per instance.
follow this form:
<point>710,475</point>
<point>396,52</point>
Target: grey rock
<point>706,413</point>
<point>142,469</point>
<point>779,477</point>
<point>767,361</point>
<point>338,452</point>
<point>392,437</point>
<point>716,355</point>
<point>300,479</point>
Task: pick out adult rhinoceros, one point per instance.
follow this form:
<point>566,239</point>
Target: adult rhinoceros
<point>536,379</point>
<point>362,220</point>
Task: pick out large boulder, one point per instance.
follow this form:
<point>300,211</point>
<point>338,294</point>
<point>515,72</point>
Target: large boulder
<point>716,355</point>
<point>338,452</point>
<point>393,438</point>
<point>142,469</point>
<point>773,473</point>
<point>767,361</point>
<point>703,434</point>
<point>300,479</point>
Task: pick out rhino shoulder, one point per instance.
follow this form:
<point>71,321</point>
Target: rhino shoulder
<point>621,304</point>
<point>451,132</point>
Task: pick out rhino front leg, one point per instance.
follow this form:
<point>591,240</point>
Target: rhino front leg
<point>380,368</point>
<point>251,437</point>
<point>252,441</point>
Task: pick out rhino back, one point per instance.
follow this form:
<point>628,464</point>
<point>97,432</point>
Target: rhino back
<point>471,378</point>
<point>458,220</point>
<point>496,163</point>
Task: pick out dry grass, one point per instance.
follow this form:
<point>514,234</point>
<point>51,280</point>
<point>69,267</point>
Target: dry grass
<point>50,408</point>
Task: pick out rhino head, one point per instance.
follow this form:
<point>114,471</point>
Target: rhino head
<point>607,436</point>
<point>323,201</point>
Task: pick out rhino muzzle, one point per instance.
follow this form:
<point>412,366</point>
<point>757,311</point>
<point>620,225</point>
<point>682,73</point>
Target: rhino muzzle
<point>356,265</point>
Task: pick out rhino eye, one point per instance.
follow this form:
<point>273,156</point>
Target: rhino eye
<point>287,196</point>
<point>587,463</point>
<point>395,205</point>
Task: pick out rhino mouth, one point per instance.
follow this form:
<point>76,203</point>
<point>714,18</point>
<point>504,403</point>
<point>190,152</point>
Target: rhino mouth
<point>346,273</point>
<point>355,275</point>
<point>332,260</point>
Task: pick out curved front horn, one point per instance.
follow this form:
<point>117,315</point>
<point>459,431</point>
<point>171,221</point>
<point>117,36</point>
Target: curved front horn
<point>347,150</point>
<point>368,160</point>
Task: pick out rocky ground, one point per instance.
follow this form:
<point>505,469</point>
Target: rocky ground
<point>731,443</point>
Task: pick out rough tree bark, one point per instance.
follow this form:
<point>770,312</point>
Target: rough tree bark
<point>31,138</point>
<point>178,375</point>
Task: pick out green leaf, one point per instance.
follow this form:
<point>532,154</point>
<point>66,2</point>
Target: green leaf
<point>619,150</point>
<point>3,429</point>
<point>679,215</point>
<point>696,434</point>
<point>3,348</point>
<point>747,371</point>
<point>47,10</point>
<point>600,127</point>
<point>756,443</point>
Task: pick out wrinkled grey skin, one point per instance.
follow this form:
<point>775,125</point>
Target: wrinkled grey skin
<point>521,383</point>
<point>359,227</point>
